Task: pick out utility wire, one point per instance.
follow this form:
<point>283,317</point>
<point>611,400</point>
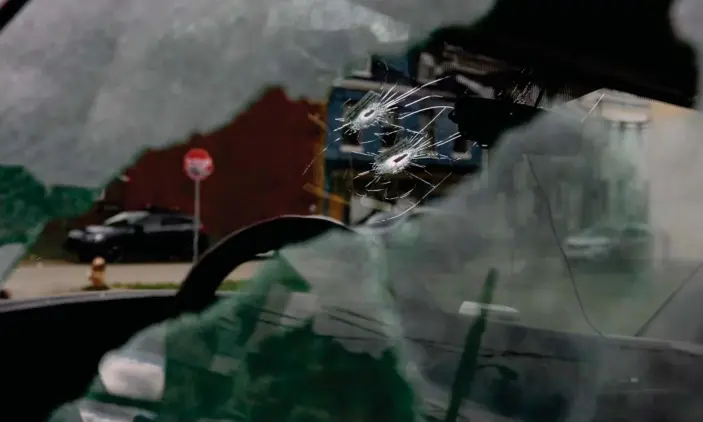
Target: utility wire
<point>643,329</point>
<point>550,216</point>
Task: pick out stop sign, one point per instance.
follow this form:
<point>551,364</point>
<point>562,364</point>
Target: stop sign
<point>198,164</point>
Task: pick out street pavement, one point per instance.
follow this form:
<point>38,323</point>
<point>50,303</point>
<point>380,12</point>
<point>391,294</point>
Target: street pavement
<point>613,303</point>
<point>37,279</point>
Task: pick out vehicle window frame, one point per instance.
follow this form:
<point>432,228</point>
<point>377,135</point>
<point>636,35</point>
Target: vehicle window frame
<point>151,221</point>
<point>125,221</point>
<point>181,220</point>
<point>635,233</point>
<point>606,231</point>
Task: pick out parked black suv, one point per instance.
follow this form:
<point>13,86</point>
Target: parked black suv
<point>138,235</point>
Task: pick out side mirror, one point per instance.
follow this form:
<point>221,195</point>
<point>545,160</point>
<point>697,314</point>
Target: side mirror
<point>138,229</point>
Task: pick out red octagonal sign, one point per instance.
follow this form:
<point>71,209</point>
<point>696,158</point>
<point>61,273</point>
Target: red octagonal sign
<point>198,164</point>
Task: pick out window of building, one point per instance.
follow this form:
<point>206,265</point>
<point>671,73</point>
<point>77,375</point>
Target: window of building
<point>426,68</point>
<point>428,126</point>
<point>350,140</point>
<point>363,68</point>
<point>461,148</point>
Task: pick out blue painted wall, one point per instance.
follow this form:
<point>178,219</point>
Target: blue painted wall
<point>370,143</point>
<point>386,72</point>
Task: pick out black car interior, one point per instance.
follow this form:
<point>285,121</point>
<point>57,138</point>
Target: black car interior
<point>50,348</point>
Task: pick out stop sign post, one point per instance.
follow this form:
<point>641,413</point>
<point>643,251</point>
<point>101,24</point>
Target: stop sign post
<point>198,165</point>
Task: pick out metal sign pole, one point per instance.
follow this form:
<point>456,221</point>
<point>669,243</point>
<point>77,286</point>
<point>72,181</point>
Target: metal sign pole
<point>198,165</point>
<point>484,163</point>
<point>196,216</point>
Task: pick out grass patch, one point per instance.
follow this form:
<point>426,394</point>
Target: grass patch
<point>92,288</point>
<point>227,285</point>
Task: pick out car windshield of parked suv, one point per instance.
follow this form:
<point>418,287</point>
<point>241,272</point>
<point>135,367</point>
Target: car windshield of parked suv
<point>602,231</point>
<point>234,112</point>
<point>125,218</point>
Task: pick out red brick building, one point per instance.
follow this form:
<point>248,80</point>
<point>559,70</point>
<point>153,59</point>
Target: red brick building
<point>259,161</point>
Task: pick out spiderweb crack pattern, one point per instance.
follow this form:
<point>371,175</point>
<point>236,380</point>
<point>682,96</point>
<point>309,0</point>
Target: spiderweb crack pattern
<point>387,108</point>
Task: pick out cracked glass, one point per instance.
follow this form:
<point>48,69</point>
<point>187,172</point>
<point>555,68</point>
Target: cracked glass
<point>573,214</point>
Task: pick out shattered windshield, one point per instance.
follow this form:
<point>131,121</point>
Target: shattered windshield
<point>229,113</point>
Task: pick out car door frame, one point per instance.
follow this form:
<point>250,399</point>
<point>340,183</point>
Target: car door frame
<point>179,235</point>
<point>152,238</point>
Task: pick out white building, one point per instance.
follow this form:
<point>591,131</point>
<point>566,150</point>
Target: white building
<point>652,163</point>
<point>673,148</point>
<point>607,181</point>
<point>620,152</point>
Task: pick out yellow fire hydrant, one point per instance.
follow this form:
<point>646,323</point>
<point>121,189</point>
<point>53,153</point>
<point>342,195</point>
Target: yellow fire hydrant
<point>96,275</point>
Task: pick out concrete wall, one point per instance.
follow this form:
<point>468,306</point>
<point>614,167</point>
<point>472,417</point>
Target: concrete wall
<point>674,155</point>
<point>668,160</point>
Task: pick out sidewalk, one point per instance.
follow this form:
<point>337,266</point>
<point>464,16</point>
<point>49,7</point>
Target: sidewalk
<point>50,279</point>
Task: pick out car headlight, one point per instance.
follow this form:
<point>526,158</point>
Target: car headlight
<point>95,237</point>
